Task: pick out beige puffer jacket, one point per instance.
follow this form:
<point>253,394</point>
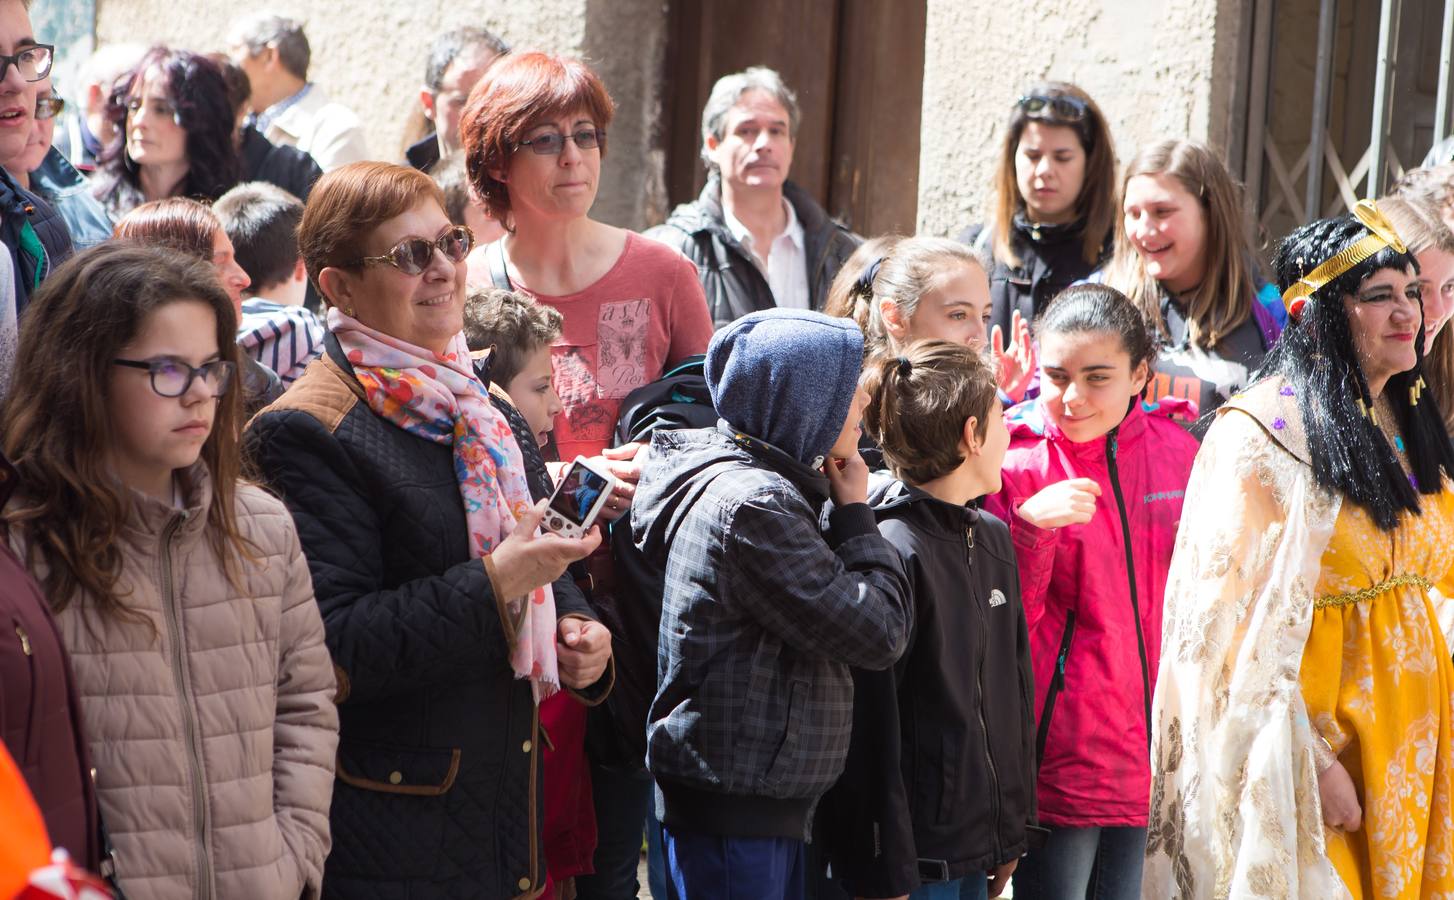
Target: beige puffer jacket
<point>213,735</point>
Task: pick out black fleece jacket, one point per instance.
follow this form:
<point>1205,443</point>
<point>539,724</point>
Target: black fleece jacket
<point>940,777</point>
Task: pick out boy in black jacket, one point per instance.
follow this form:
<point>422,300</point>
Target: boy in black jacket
<point>938,795</point>
<point>761,614</point>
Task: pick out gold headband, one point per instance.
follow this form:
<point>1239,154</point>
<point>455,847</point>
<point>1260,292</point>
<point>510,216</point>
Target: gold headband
<point>1381,233</point>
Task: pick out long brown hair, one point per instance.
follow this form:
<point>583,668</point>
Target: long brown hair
<point>1225,296</point>
<point>56,427</point>
<point>1096,203</point>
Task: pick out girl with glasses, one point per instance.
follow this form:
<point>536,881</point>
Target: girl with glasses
<point>193,228</point>
<point>1053,212</point>
<point>180,592</point>
<point>177,127</point>
<point>534,134</point>
<point>446,609</point>
<point>1184,257</point>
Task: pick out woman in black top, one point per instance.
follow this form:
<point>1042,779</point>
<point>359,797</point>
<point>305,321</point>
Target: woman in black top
<point>1055,202</point>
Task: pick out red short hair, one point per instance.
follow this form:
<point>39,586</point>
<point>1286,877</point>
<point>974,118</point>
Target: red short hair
<point>518,92</point>
<point>180,223</point>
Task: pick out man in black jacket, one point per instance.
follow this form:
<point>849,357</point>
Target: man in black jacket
<point>758,240</point>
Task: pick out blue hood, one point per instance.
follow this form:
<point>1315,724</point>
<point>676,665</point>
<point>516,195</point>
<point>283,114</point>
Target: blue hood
<point>786,377</point>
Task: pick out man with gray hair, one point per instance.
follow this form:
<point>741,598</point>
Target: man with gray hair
<point>758,240</point>
<point>457,61</point>
<point>290,109</point>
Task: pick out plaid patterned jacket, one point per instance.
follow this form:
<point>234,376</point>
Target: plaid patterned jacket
<point>761,618</point>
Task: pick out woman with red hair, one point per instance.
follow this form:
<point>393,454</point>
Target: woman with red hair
<point>534,133</point>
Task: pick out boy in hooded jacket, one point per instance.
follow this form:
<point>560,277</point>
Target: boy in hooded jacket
<point>763,613</point>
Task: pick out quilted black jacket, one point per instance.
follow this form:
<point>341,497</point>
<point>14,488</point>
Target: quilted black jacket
<point>733,283</point>
<point>439,774</point>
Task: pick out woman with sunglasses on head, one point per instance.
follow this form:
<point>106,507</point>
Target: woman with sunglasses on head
<point>1184,257</point>
<point>177,127</point>
<point>186,225</point>
<point>534,133</point>
<point>1054,209</point>
<point>444,605</point>
<point>180,592</point>
<point>41,169</point>
<point>1304,735</point>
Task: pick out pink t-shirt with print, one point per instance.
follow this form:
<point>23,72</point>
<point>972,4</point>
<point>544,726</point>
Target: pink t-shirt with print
<point>645,314</point>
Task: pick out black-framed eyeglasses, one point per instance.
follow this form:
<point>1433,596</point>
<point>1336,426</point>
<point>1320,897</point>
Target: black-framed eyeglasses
<point>49,107</point>
<point>412,255</point>
<point>34,62</point>
<point>553,142</point>
<point>1065,108</point>
<point>171,377</point>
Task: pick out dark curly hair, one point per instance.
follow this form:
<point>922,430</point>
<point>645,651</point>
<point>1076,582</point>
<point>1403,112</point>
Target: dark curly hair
<point>1316,357</point>
<point>199,91</point>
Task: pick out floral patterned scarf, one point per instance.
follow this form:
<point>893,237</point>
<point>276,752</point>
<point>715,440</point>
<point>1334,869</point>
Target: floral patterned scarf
<point>438,397</point>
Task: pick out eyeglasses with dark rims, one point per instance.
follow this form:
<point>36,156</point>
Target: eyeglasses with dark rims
<point>412,255</point>
<point>171,377</point>
<point>553,142</point>
<point>34,62</point>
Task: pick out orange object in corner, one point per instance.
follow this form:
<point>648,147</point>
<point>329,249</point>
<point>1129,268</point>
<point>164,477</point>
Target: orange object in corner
<point>24,844</point>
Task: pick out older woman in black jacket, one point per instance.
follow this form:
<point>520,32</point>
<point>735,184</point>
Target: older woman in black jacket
<point>446,612</point>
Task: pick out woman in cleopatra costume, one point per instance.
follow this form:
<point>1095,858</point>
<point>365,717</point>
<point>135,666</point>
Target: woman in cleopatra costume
<point>1302,722</point>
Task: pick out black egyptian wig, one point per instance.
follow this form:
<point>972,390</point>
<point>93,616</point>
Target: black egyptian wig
<point>1316,358</point>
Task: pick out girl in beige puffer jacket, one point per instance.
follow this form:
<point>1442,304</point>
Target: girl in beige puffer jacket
<point>180,592</point>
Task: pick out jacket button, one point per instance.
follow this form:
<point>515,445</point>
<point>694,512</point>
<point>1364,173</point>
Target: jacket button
<point>523,884</point>
<point>396,777</point>
<point>525,748</point>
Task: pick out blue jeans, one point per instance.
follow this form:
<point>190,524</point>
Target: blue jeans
<point>623,807</point>
<point>714,867</point>
<point>970,887</point>
<point>1084,864</point>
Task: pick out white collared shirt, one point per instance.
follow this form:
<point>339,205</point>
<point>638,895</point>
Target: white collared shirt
<point>785,266</point>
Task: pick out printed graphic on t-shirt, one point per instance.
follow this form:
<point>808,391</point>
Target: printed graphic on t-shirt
<point>621,347</point>
<point>585,417</point>
<point>1193,374</point>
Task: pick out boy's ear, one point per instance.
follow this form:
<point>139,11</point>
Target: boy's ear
<point>969,440</point>
<point>300,271</point>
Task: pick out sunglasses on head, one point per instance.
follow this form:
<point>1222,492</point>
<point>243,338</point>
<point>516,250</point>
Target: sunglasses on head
<point>1062,107</point>
<point>413,255</point>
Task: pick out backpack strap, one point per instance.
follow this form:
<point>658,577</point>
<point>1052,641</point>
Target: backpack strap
<point>499,274</point>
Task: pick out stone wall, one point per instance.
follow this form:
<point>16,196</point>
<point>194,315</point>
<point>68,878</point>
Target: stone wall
<point>371,56</point>
<point>1156,68</point>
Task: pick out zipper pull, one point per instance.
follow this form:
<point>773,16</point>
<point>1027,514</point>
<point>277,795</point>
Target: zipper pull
<point>969,538</point>
<point>24,640</point>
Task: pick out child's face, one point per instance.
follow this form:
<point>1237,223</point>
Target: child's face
<point>1088,382</point>
<point>986,464</point>
<point>847,443</point>
<point>531,392</point>
<point>955,308</point>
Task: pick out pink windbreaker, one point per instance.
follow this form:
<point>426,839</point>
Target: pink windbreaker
<point>1095,769</point>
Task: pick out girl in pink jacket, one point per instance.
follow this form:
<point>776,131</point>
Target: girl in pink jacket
<point>1093,484</point>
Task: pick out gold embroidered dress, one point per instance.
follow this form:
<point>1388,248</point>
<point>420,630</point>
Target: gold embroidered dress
<point>1255,675</point>
<point>1377,681</point>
